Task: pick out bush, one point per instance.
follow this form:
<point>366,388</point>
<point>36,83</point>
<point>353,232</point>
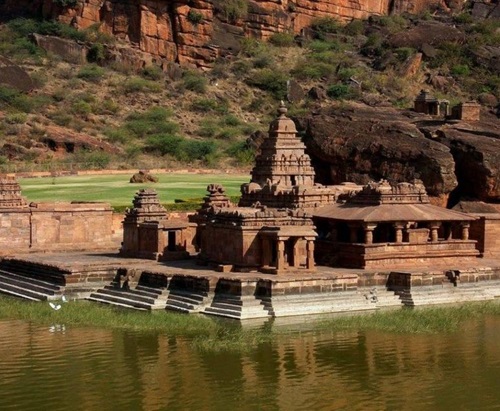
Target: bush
<point>460,70</point>
<point>23,27</point>
<point>339,92</point>
<point>194,81</point>
<point>16,118</point>
<point>197,150</point>
<point>321,46</point>
<point>282,39</point>
<point>96,53</point>
<point>252,47</point>
<point>11,98</point>
<point>262,60</point>
<point>231,120</point>
<point>92,73</point>
<point>138,85</point>
<point>206,105</point>
<point>194,17</point>
<point>313,70</point>
<point>232,10</point>
<point>403,53</point>
<point>151,122</point>
<point>152,73</point>
<point>354,28</point>
<point>81,108</point>
<point>325,25</point>
<point>208,128</point>
<point>241,152</point>
<point>270,80</point>
<point>463,18</point>
<point>374,46</point>
<point>165,144</point>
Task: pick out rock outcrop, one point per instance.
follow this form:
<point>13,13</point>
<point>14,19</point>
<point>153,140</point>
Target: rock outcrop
<point>13,76</point>
<point>359,143</point>
<point>196,32</point>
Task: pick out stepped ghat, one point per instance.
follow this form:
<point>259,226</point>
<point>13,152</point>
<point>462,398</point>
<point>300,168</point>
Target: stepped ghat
<point>290,247</point>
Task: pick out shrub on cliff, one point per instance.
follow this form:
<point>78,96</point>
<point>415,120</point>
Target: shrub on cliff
<point>137,84</point>
<point>270,80</point>
<point>282,39</point>
<point>231,10</point>
<point>194,81</point>
<point>92,73</point>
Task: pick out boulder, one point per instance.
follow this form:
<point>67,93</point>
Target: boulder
<point>13,76</point>
<point>359,143</point>
<point>143,176</point>
<point>476,152</point>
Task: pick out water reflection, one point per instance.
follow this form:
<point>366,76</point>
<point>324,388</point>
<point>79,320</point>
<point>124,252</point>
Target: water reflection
<point>61,368</point>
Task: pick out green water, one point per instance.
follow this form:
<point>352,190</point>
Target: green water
<point>62,367</point>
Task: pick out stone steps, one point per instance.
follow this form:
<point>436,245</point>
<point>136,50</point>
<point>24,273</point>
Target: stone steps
<point>319,303</point>
<point>125,303</point>
<point>186,301</point>
<point>34,271</point>
<point>419,296</point>
<point>141,297</point>
<point>239,307</point>
<point>28,288</point>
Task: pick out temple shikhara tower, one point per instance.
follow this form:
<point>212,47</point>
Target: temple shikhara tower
<point>283,176</point>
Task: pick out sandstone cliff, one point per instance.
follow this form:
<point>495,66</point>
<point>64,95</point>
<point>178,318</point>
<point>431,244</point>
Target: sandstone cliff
<point>358,143</point>
<point>198,31</point>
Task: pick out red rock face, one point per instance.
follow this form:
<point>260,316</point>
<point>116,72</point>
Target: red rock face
<point>197,31</point>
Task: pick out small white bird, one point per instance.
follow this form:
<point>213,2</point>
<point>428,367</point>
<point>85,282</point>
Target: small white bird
<point>55,306</point>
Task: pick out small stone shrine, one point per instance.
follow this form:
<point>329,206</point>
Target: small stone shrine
<point>15,216</point>
<point>10,194</point>
<point>148,233</point>
<point>428,104</point>
<point>388,226</point>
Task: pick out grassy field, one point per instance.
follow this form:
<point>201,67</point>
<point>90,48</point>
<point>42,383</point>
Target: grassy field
<point>117,190</point>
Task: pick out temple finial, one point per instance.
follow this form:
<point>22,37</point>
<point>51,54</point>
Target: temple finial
<point>282,110</point>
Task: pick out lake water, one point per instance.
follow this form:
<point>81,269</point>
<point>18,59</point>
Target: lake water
<point>71,368</point>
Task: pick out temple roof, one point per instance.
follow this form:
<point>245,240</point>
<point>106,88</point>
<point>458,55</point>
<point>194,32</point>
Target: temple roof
<point>390,212</point>
<point>381,201</point>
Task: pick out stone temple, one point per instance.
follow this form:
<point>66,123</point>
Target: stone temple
<point>290,247</point>
<point>285,221</point>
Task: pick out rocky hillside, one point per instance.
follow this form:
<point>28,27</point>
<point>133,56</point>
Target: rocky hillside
<point>200,31</point>
<point>166,84</point>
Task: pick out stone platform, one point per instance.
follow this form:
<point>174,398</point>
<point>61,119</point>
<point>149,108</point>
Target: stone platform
<point>187,287</point>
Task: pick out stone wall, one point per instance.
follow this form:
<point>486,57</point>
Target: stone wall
<point>486,231</point>
<point>58,227</point>
<point>14,229</point>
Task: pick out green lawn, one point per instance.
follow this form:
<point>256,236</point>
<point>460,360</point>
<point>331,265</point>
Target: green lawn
<point>117,190</point>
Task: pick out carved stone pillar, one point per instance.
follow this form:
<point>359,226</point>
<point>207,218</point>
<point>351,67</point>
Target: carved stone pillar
<point>434,231</point>
<point>369,232</point>
<point>310,254</point>
<point>280,260</point>
<point>465,231</point>
<point>398,229</point>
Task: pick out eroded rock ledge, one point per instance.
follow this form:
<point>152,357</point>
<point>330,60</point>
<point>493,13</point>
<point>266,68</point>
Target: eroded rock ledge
<point>199,31</point>
<point>358,143</point>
